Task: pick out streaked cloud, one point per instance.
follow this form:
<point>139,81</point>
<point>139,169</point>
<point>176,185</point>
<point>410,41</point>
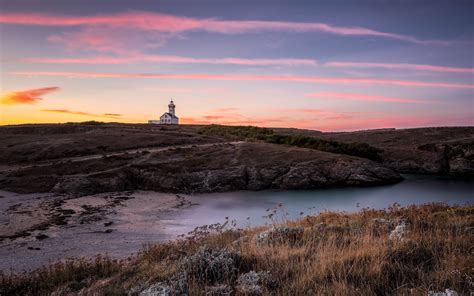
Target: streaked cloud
<point>257,121</point>
<point>72,112</point>
<point>363,97</point>
<point>229,109</point>
<point>111,40</point>
<point>417,67</point>
<point>173,60</point>
<point>30,96</point>
<point>148,21</point>
<point>231,77</point>
<point>390,121</point>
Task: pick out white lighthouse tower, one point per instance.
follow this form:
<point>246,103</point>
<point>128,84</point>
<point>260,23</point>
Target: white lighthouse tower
<point>171,108</point>
<point>167,117</point>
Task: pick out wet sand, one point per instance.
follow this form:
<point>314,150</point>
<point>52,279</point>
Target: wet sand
<point>36,229</point>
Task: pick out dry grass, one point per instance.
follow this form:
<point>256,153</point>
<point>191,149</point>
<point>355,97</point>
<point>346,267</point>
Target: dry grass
<point>338,254</point>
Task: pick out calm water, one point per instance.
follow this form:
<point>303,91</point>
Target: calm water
<point>248,208</point>
<point>140,221</point>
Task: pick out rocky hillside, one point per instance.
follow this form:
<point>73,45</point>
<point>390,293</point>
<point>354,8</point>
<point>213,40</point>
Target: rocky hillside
<point>201,168</point>
<point>86,158</point>
<point>440,150</point>
<point>39,142</point>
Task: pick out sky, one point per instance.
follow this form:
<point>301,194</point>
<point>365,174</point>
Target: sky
<point>323,65</point>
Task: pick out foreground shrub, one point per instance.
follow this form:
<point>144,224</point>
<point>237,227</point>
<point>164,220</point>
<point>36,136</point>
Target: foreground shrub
<point>211,265</point>
<point>280,235</point>
<point>337,254</point>
<point>254,283</point>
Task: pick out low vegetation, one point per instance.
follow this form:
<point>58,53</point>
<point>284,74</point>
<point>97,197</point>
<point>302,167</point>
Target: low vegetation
<point>398,251</point>
<point>267,135</point>
<point>236,132</point>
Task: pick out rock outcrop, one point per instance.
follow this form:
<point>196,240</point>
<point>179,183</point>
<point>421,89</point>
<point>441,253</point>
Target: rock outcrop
<point>218,168</point>
<point>437,150</point>
<point>434,158</point>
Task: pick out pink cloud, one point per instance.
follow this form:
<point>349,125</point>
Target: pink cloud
<point>30,96</point>
<point>110,39</point>
<point>226,77</point>
<point>362,97</point>
<point>219,110</point>
<point>177,24</point>
<point>258,121</point>
<point>231,116</point>
<point>299,118</point>
<point>326,120</point>
<point>213,117</point>
<point>231,61</point>
<point>416,67</point>
<point>394,122</point>
<point>321,114</point>
<point>173,59</point>
<point>72,112</point>
<point>92,60</point>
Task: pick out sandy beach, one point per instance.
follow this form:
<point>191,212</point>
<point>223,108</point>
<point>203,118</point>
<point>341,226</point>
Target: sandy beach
<point>39,228</point>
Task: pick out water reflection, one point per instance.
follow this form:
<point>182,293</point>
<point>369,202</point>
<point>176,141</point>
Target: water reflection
<point>242,205</point>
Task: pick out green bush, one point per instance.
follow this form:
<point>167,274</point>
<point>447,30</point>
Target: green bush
<point>355,149</point>
<point>267,135</point>
<point>236,132</point>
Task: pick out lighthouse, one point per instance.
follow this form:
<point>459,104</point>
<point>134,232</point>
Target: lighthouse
<point>167,117</point>
<point>171,108</point>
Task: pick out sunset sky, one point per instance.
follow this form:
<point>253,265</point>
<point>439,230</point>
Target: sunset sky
<point>325,65</point>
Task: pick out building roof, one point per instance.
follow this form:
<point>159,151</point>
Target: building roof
<point>169,114</point>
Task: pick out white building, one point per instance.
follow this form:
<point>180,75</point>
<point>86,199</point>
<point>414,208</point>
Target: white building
<point>167,117</point>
